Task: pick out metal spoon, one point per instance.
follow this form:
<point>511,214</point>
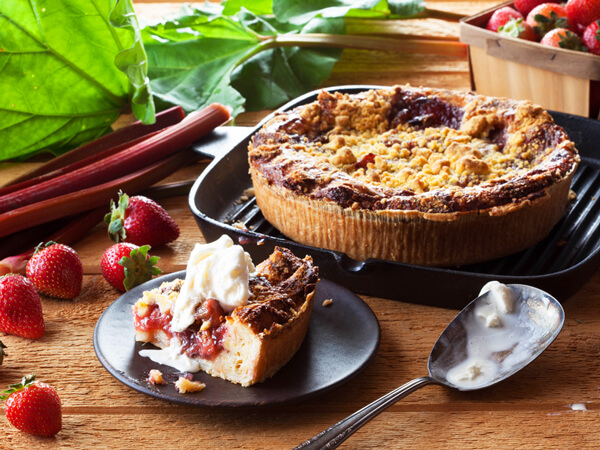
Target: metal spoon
<point>503,344</point>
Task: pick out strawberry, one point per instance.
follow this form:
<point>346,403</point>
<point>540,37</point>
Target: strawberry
<point>591,37</point>
<point>517,28</point>
<point>546,17</point>
<point>583,12</point>
<point>126,265</point>
<point>20,307</point>
<point>33,407</point>
<point>525,6</point>
<point>140,221</point>
<point>563,38</point>
<point>56,270</point>
<point>501,16</point>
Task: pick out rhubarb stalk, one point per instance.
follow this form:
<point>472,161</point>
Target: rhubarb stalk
<point>85,199</point>
<point>151,150</point>
<point>119,137</point>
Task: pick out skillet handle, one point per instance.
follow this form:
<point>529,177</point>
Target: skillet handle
<point>222,139</point>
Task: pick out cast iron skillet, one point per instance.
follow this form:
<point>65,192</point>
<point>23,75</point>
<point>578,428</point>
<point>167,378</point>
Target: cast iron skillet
<point>560,264</point>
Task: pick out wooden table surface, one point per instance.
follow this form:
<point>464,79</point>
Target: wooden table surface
<point>531,410</point>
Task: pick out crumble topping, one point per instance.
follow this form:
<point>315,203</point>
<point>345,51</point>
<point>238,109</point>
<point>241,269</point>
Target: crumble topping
<point>155,376</point>
<point>414,149</point>
<point>184,385</point>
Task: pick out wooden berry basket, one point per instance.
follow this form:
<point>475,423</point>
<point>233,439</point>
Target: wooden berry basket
<point>555,78</point>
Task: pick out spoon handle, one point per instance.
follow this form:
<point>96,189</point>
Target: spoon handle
<point>338,433</point>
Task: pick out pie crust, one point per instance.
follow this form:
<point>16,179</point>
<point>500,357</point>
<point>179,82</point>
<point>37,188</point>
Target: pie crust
<point>416,175</point>
<point>254,341</point>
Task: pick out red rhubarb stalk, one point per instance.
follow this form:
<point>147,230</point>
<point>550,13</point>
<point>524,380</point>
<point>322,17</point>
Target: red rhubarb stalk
<point>93,197</point>
<point>119,137</point>
<point>155,148</point>
<point>72,167</point>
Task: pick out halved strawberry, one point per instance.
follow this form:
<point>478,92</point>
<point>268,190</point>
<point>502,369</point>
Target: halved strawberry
<point>20,307</point>
<point>33,407</point>
<point>56,270</point>
<point>126,265</point>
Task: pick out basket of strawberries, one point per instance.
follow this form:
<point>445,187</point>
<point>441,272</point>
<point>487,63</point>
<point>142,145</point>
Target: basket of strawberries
<point>544,51</point>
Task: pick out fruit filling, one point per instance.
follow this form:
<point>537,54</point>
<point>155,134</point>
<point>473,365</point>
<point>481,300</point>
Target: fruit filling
<point>203,339</point>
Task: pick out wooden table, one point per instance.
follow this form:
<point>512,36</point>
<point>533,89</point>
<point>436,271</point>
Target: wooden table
<point>532,410</point>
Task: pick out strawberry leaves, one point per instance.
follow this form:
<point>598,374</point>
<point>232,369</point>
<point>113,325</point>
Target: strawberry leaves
<point>126,265</point>
<point>26,381</point>
<point>139,267</point>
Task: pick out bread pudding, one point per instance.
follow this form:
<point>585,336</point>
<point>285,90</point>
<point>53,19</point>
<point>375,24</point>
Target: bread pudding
<point>416,175</point>
<point>244,344</point>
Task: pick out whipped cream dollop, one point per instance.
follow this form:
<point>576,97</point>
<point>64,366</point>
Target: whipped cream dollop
<point>220,270</point>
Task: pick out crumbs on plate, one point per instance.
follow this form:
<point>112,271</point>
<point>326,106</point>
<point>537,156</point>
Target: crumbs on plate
<point>184,385</point>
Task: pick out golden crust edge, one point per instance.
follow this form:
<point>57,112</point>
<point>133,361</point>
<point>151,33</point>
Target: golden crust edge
<point>413,237</point>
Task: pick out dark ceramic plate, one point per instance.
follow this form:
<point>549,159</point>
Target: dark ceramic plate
<point>341,341</point>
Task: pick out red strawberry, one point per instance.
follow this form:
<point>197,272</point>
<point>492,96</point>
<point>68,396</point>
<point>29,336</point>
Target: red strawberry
<point>525,6</point>
<point>140,221</point>
<point>56,270</point>
<point>20,307</point>
<point>563,38</point>
<point>126,265</point>
<point>591,37</point>
<point>501,16</point>
<point>517,28</point>
<point>33,407</point>
<point>583,12</point>
<point>546,17</point>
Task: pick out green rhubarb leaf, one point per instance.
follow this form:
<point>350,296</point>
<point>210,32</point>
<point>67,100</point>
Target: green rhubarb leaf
<point>274,77</point>
<point>258,7</point>
<point>59,85</point>
<point>302,11</point>
<point>406,8</point>
<point>191,57</point>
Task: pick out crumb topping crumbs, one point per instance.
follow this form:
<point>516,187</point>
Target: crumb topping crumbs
<point>184,385</point>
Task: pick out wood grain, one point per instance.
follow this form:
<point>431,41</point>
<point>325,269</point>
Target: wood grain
<point>532,410</point>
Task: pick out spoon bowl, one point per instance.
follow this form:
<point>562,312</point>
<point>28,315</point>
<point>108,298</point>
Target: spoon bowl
<point>500,332</point>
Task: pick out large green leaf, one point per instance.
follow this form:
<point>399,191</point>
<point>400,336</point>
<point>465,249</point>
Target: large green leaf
<point>59,86</point>
<point>273,77</point>
<point>302,11</point>
<point>191,57</point>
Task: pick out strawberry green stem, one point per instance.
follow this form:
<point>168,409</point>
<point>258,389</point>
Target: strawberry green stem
<point>26,381</point>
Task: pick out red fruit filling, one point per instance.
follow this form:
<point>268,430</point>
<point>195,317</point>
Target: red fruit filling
<point>204,339</point>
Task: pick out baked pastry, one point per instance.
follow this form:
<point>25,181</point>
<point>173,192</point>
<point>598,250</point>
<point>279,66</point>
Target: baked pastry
<point>245,345</point>
<point>417,175</point>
